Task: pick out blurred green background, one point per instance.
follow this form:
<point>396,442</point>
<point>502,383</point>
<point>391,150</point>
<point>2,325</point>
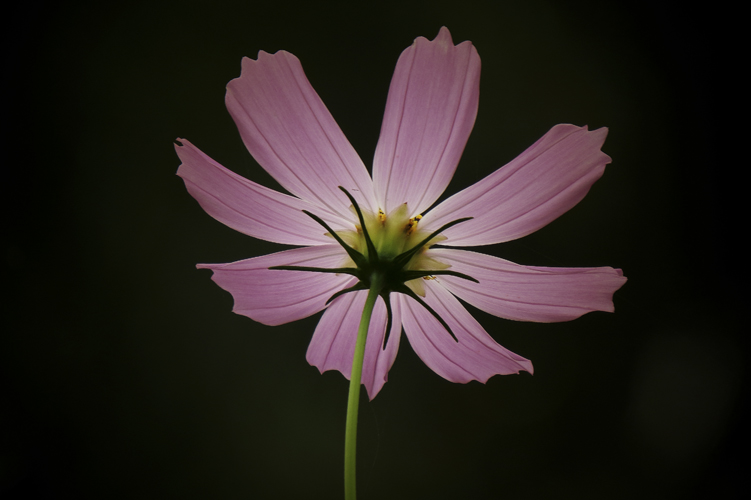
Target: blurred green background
<point>125,374</point>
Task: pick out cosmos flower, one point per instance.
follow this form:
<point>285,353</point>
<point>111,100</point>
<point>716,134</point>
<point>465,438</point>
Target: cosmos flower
<point>430,111</point>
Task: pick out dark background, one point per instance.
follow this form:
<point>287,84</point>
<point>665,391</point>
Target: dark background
<point>125,375</point>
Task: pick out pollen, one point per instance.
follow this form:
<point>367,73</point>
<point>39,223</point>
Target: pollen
<point>412,224</point>
<point>381,216</point>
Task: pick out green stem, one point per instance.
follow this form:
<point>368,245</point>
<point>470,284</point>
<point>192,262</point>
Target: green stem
<point>353,402</point>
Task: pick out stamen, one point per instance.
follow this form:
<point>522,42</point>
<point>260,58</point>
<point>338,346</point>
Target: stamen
<point>412,224</point>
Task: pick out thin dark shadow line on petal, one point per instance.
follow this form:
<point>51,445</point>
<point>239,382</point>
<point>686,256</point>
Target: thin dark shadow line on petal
<point>423,331</point>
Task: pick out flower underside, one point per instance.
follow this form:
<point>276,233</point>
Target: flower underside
<point>391,247</point>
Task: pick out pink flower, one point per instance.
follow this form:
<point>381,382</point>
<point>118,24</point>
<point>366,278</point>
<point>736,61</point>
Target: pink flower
<point>431,108</point>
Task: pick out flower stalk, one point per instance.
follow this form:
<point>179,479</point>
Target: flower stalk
<point>353,401</point>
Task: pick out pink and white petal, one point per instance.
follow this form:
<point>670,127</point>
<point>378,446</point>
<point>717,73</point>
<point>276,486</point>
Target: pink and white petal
<point>245,206</point>
<point>333,343</point>
<point>475,357</point>
<point>274,297</point>
<point>430,112</point>
<point>541,184</point>
<point>527,293</point>
<point>288,130</point>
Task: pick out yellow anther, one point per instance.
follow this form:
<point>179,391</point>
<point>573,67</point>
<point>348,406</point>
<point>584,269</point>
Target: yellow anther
<point>429,277</point>
<point>412,224</point>
<point>381,215</point>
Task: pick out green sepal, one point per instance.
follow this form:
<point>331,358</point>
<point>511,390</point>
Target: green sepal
<point>386,296</point>
<point>372,253</point>
<point>357,257</point>
<point>408,292</point>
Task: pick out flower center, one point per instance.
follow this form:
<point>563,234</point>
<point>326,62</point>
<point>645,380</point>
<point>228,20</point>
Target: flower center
<point>392,235</point>
<point>392,248</point>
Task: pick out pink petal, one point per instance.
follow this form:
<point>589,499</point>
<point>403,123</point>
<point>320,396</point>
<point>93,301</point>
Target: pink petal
<point>475,357</point>
<point>527,293</point>
<point>290,133</point>
<point>275,297</point>
<point>244,205</point>
<point>333,343</point>
<point>430,112</point>
<point>542,183</point>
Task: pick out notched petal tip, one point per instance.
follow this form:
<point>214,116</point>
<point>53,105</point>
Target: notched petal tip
<point>443,37</point>
<point>248,63</point>
<point>430,112</point>
<point>291,134</point>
